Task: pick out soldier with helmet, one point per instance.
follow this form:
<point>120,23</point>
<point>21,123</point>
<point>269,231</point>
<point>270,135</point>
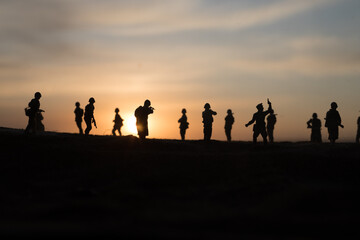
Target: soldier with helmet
<point>89,116</point>
<point>208,119</point>
<point>332,122</point>
<point>32,111</point>
<point>118,122</point>
<point>141,114</point>
<point>259,119</point>
<point>79,112</point>
<point>183,124</point>
<point>229,121</point>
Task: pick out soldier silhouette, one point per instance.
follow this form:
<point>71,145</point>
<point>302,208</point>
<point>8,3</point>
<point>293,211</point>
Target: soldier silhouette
<point>32,112</point>
<point>183,124</point>
<point>271,120</point>
<point>141,114</point>
<point>208,119</point>
<point>118,122</point>
<point>79,112</point>
<point>332,122</point>
<point>315,125</point>
<point>259,119</point>
<point>358,131</point>
<point>89,116</point>
<point>229,121</point>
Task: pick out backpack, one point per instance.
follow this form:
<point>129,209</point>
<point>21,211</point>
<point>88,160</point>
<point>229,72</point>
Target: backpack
<point>27,111</point>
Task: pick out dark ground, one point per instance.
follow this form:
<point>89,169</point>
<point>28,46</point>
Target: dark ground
<point>60,185</point>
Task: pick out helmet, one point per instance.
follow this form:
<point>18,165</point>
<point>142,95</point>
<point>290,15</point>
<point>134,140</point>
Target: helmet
<point>117,110</point>
<point>334,105</point>
<point>259,106</point>
<point>77,104</point>
<point>91,100</point>
<point>147,102</point>
<point>207,105</point>
<point>314,115</point>
<point>229,111</point>
<point>37,95</point>
<point>184,110</point>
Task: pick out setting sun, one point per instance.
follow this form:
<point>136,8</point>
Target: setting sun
<point>130,125</point>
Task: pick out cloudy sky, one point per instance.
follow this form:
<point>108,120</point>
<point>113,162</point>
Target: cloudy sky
<point>181,54</point>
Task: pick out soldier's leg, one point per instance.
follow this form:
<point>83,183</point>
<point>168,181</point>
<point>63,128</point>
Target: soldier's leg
<point>88,126</point>
<point>255,136</point>
<point>358,136</point>
<point>228,134</point>
<point>264,136</point>
<point>119,130</point>
<point>113,131</point>
<point>78,124</point>
<point>271,134</point>
<point>182,134</point>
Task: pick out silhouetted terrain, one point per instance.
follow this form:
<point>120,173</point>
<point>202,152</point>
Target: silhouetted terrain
<point>68,185</point>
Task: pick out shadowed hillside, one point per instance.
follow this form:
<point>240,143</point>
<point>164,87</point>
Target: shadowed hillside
<point>68,185</point>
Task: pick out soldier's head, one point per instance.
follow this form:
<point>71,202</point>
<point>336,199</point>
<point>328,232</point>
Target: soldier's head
<point>229,111</point>
<point>207,106</point>
<point>117,110</point>
<point>77,104</point>
<point>315,115</point>
<point>37,95</point>
<point>147,103</point>
<point>183,111</point>
<point>260,107</point>
<point>91,100</point>
<point>334,105</point>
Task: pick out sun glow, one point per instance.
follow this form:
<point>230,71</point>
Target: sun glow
<point>130,125</point>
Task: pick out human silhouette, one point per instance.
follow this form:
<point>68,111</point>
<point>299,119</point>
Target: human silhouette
<point>141,114</point>
<point>79,112</point>
<point>118,122</point>
<point>208,119</point>
<point>32,112</point>
<point>358,131</point>
<point>315,125</point>
<point>332,122</point>
<point>259,119</point>
<point>89,116</point>
<point>270,125</point>
<point>183,124</point>
<point>229,121</point>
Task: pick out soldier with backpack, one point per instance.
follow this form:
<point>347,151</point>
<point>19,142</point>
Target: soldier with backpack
<point>32,111</point>
<point>89,116</point>
<point>118,123</point>
<point>183,124</point>
<point>141,114</point>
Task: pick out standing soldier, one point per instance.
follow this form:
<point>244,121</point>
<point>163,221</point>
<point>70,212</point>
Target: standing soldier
<point>89,116</point>
<point>32,111</point>
<point>271,120</point>
<point>259,119</point>
<point>79,112</point>
<point>208,119</point>
<point>118,122</point>
<point>315,125</point>
<point>183,124</point>
<point>358,131</point>
<point>229,121</point>
<point>332,122</point>
<point>141,114</point>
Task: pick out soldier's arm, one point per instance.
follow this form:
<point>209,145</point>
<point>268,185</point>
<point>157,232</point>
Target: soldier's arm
<point>251,121</point>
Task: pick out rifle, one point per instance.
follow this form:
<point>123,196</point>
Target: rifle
<point>94,122</point>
